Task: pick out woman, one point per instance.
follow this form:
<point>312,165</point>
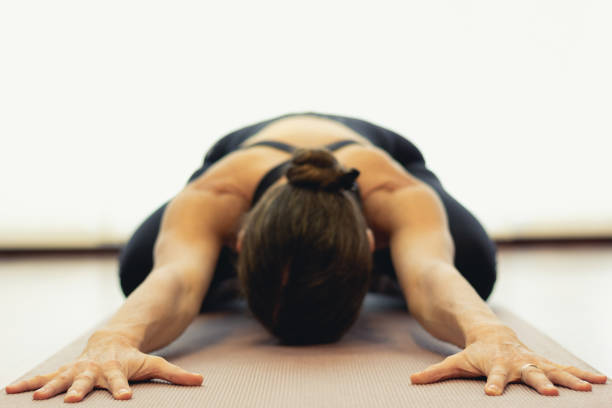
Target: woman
<point>307,231</point>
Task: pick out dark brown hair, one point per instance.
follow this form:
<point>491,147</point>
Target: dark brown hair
<point>305,264</point>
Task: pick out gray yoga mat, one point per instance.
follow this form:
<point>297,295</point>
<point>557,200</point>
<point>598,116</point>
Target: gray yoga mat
<point>370,367</point>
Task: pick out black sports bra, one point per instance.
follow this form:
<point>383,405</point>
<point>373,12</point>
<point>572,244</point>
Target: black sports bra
<point>277,171</point>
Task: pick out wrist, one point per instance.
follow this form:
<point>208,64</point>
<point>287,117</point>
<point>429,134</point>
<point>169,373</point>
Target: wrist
<point>490,332</point>
<point>106,336</point>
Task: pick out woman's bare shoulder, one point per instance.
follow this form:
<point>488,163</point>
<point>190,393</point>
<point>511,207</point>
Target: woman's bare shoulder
<point>378,170</point>
<point>239,172</point>
<point>385,184</point>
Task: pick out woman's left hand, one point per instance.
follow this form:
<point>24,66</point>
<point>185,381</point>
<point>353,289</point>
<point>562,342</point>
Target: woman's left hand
<point>504,359</point>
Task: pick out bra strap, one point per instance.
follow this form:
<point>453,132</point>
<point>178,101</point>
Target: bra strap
<point>341,143</point>
<point>268,179</point>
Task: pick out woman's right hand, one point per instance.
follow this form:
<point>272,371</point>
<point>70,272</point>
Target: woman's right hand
<point>108,361</point>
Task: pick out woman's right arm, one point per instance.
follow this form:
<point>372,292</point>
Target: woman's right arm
<point>193,229</point>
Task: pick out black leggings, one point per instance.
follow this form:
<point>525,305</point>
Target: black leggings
<point>475,252</point>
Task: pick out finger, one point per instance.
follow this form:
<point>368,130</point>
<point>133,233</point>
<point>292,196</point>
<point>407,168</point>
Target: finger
<point>82,385</point>
<point>58,384</point>
<point>568,380</point>
<point>117,381</point>
<point>496,380</point>
<point>537,379</point>
<point>586,375</point>
<point>441,371</point>
<point>29,384</point>
<point>160,368</point>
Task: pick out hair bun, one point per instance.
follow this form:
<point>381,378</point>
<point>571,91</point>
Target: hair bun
<point>319,169</point>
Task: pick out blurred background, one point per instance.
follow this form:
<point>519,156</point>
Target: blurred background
<point>106,108</point>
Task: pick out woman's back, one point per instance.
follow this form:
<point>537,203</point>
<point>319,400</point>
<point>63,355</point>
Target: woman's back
<point>243,170</point>
<point>312,129</point>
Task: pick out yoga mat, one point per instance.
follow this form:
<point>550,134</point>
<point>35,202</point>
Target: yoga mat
<point>243,366</point>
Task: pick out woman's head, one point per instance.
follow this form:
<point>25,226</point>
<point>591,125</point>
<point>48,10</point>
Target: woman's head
<point>305,252</point>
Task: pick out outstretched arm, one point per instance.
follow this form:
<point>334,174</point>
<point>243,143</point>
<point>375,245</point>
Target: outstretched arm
<point>447,306</point>
<point>185,255</point>
<point>158,311</point>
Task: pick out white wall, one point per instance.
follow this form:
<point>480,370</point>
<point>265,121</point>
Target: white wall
<point>107,107</point>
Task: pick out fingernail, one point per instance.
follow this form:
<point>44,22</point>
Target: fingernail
<point>73,392</point>
<point>550,387</point>
<point>123,391</point>
<point>493,388</point>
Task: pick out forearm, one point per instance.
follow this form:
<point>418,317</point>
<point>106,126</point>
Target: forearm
<point>155,314</point>
<point>449,308</point>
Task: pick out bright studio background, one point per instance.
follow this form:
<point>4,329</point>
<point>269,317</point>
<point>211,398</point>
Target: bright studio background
<point>107,107</point>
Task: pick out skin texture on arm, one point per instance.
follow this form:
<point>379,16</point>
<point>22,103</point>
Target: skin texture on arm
<point>185,255</point>
<point>422,251</point>
<point>446,305</point>
<point>196,223</point>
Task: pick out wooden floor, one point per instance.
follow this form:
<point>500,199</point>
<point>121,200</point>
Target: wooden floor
<point>48,301</point>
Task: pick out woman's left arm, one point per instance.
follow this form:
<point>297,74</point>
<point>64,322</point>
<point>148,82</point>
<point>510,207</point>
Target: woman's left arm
<point>447,306</point>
